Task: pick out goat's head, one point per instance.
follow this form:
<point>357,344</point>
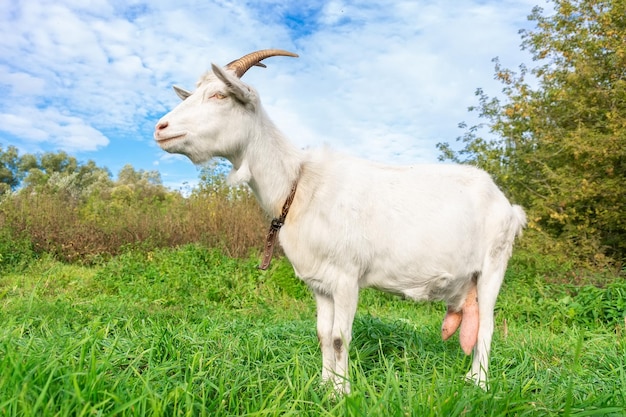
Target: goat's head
<point>214,119</point>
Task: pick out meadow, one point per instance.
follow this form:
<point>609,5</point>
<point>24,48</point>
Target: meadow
<point>125,299</point>
<point>189,331</point>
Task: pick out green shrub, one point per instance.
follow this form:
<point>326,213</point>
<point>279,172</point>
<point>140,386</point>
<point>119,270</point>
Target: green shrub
<point>105,224</point>
<point>540,290</point>
<point>15,252</point>
<point>589,305</point>
<point>282,275</point>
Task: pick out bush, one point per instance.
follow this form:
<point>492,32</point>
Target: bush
<point>540,289</point>
<point>109,221</point>
<point>15,252</point>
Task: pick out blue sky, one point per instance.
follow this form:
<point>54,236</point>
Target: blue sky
<point>383,80</point>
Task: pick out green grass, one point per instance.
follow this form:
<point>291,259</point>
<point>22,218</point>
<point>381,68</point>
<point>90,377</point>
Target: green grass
<point>191,332</point>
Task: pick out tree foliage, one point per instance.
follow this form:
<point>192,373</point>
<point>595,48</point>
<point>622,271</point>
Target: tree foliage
<point>84,186</point>
<point>557,140</point>
<point>54,171</point>
<point>9,163</point>
<point>76,212</point>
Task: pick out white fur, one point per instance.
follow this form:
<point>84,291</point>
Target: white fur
<point>422,231</point>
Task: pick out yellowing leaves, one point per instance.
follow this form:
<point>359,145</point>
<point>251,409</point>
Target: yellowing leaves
<point>560,141</point>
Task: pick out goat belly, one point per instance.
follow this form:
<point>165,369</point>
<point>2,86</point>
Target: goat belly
<point>469,324</point>
<point>450,323</point>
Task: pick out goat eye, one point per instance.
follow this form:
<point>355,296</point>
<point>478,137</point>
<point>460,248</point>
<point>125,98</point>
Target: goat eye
<point>218,96</point>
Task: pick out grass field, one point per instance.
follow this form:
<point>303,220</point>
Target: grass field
<point>191,332</point>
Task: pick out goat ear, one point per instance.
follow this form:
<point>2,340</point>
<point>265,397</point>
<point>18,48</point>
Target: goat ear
<point>235,86</point>
<point>181,92</point>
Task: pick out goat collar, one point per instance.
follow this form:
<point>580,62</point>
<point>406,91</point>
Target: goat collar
<point>277,223</point>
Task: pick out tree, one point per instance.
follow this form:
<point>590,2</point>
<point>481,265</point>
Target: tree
<point>38,169</point>
<point>559,148</point>
<point>128,175</point>
<point>133,185</point>
<point>51,172</point>
<point>9,169</point>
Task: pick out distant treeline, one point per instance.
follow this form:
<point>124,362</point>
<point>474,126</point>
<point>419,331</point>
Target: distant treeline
<point>51,203</point>
<point>77,213</point>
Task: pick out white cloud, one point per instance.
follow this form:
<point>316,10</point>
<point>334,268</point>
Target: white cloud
<point>407,72</point>
<point>49,125</point>
<point>334,11</point>
<point>381,80</point>
<point>21,85</point>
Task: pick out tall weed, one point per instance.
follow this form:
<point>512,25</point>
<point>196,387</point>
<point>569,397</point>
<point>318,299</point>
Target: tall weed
<point>108,223</point>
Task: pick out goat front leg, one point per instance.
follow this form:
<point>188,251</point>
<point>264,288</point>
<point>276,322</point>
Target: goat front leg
<point>345,301</point>
<point>335,315</point>
<point>325,319</point>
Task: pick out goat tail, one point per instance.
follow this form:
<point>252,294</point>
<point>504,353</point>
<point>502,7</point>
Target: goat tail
<point>518,220</point>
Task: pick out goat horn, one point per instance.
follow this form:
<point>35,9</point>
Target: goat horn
<point>243,64</point>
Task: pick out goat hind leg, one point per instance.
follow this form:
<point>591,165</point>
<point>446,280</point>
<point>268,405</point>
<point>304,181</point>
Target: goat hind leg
<point>487,287</point>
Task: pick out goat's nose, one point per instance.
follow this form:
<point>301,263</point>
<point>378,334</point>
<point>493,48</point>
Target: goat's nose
<point>162,125</point>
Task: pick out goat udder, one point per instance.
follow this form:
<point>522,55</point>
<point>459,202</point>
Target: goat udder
<point>451,323</point>
<point>469,324</point>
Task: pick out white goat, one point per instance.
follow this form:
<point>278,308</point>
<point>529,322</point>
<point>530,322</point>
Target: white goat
<point>428,232</point>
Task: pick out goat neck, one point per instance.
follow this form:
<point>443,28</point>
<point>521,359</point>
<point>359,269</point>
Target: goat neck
<point>270,165</point>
